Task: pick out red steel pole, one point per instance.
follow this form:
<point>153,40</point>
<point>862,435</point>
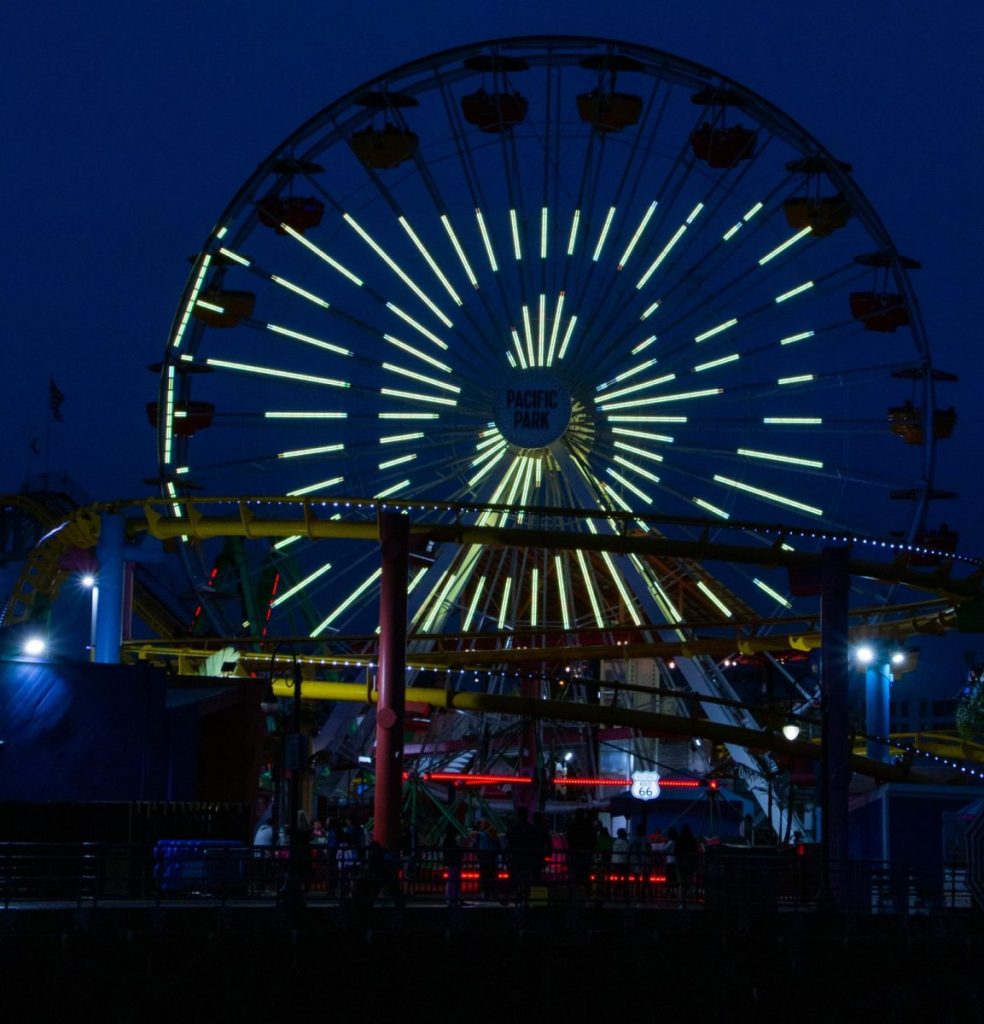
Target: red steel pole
<point>394,546</point>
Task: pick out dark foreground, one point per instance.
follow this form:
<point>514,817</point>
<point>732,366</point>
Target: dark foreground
<point>419,962</point>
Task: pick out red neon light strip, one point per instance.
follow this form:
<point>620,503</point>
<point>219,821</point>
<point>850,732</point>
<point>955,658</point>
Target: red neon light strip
<point>523,780</point>
<point>477,780</point>
<point>503,876</point>
<point>651,879</point>
<point>592,782</point>
<point>667,783</point>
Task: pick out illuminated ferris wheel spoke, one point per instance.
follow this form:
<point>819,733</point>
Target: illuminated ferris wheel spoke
<point>801,468</point>
<point>617,576</point>
<point>340,312</point>
<point>662,399</point>
<point>860,377</point>
<point>322,255</point>
<point>613,352</point>
<point>422,250</point>
<point>436,604</point>
<point>755,317</point>
<point>331,348</point>
<point>270,371</point>
<point>487,229</point>
<point>619,295</point>
<point>602,400</point>
<point>397,269</point>
<point>590,491</point>
<point>282,282</point>
<point>324,346</point>
<point>286,595</point>
<point>339,610</point>
<point>527,480</point>
<point>687,274</point>
<point>767,495</point>
<point>636,236</point>
<point>417,326</point>
<point>432,263</point>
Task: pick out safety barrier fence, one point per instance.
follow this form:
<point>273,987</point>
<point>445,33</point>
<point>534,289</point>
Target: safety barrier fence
<point>723,879</point>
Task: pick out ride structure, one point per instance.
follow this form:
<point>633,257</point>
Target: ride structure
<point>587,309</point>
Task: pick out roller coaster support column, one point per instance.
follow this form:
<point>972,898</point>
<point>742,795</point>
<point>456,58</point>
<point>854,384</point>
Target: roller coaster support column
<point>394,545</point>
<point>877,693</point>
<point>834,674</point>
<point>108,592</point>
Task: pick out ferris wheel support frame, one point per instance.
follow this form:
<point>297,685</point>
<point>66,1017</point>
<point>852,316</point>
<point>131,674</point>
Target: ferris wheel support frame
<point>877,710</point>
<point>394,535</point>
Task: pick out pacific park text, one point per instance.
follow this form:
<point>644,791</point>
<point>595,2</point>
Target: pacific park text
<point>532,407</point>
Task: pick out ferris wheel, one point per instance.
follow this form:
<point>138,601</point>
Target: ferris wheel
<point>547,272</point>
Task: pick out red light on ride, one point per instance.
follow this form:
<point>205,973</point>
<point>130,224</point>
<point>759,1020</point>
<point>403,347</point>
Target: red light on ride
<point>592,782</point>
<point>461,779</point>
<point>476,780</point>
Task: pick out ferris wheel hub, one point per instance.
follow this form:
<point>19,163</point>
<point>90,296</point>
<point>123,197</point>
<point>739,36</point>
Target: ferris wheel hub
<point>533,408</point>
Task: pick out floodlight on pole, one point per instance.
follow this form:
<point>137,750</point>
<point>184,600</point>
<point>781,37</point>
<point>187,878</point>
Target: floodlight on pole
<point>34,647</point>
<point>865,655</point>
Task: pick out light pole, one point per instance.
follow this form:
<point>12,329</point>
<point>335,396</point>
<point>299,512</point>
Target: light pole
<point>835,727</point>
<point>292,759</point>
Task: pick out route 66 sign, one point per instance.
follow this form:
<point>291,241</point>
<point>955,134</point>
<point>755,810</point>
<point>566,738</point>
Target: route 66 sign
<point>645,785</point>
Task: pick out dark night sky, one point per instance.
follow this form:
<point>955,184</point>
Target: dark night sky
<point>128,126</point>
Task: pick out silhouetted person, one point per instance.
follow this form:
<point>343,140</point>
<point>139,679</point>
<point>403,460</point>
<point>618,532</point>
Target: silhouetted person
<point>454,857</point>
<point>300,850</point>
<point>640,857</point>
<point>381,874</point>
<point>580,847</point>
<point>545,846</point>
<point>486,846</point>
<point>523,843</point>
<point>687,851</point>
<point>667,848</point>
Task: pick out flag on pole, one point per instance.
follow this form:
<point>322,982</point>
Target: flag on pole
<point>55,399</point>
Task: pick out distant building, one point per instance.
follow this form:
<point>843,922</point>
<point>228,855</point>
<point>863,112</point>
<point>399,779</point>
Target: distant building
<point>923,714</point>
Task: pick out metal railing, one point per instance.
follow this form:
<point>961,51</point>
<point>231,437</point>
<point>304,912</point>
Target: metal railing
<point>723,880</point>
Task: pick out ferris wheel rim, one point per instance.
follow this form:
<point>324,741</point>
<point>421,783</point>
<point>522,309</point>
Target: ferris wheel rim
<point>840,176</point>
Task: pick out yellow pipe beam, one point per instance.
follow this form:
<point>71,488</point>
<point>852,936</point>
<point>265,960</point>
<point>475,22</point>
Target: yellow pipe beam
<point>247,524</point>
<point>715,646</point>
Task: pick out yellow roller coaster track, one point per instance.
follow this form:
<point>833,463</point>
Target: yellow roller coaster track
<point>171,519</point>
<point>41,574</point>
<point>256,518</point>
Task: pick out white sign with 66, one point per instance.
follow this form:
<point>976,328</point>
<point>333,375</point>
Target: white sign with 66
<point>645,785</point>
